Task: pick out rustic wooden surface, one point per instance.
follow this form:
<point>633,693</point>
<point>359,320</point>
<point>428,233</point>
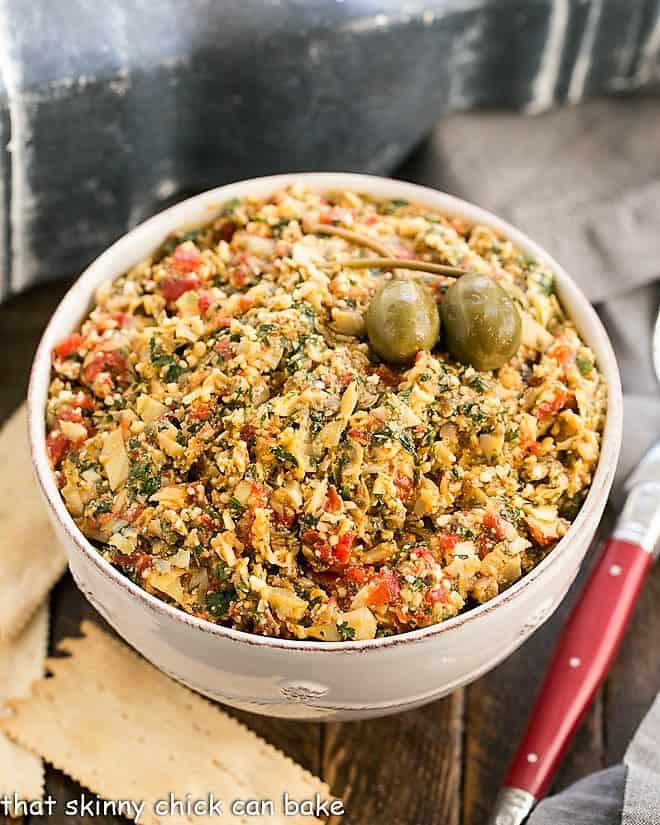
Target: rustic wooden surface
<point>439,765</point>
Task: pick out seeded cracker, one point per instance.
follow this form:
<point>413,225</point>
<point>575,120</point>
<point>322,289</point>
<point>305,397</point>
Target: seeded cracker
<point>21,663</point>
<point>132,733</point>
<point>31,559</point>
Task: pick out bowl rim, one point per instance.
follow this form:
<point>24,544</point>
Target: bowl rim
<point>177,216</point>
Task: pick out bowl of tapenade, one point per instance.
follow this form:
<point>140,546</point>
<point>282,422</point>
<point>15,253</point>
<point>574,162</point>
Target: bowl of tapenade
<point>301,418</point>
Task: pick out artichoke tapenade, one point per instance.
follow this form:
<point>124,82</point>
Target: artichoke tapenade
<point>261,427</point>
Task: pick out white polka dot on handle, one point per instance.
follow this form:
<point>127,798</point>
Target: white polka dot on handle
<point>575,661</point>
<point>532,757</point>
<point>616,570</point>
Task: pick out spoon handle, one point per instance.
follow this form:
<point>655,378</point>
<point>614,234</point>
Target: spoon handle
<point>585,650</point>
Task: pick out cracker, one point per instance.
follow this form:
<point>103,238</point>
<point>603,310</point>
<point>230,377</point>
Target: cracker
<point>31,559</point>
<point>21,663</point>
<point>119,726</point>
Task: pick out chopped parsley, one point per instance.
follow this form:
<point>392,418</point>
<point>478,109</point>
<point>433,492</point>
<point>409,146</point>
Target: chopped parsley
<point>144,479</point>
<point>231,206</point>
<point>477,383</point>
<point>472,411</point>
<point>221,572</point>
<point>264,330</point>
<point>157,356</point>
<point>103,505</point>
<point>406,440</point>
<point>172,242</point>
<point>346,632</point>
<point>173,373</point>
<point>585,365</point>
<point>218,602</point>
<point>284,455</point>
<point>236,505</point>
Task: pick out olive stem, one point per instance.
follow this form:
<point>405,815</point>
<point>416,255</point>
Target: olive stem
<point>348,235</point>
<point>403,263</point>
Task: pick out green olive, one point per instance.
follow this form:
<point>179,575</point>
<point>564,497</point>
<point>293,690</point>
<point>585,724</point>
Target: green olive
<point>401,320</point>
<point>481,322</point>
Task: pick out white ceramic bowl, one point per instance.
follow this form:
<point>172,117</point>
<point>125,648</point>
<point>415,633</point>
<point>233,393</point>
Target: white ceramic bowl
<point>317,680</point>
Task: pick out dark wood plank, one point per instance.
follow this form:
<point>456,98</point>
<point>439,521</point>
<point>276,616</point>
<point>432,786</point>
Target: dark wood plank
<point>22,320</point>
<point>402,769</point>
<point>299,740</point>
<point>634,679</point>
<point>497,707</point>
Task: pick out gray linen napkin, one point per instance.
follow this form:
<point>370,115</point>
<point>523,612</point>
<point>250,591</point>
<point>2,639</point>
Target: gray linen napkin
<point>627,793</point>
<point>585,183</point>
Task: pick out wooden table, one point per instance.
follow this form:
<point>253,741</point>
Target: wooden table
<point>439,765</point>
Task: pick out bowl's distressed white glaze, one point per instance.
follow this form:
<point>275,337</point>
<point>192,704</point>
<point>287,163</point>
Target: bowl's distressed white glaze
<point>317,680</point>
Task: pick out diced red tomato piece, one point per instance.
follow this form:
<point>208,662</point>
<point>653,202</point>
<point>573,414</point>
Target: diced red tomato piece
<point>425,554</point>
<point>70,415</point>
<point>448,540</point>
<point>493,522</point>
<point>82,401</point>
<point>385,589</point>
<point>286,519</point>
<point>439,595</point>
<point>258,494</point>
<point>209,522</point>
<point>359,575</point>
<point>553,406</point>
<point>387,376</point>
<point>245,302</point>
<point>342,550</point>
<point>224,348</point>
<point>186,258</point>
<point>563,354</point>
<point>310,537</point>
<point>58,445</point>
<point>203,302</point>
<point>112,361</point>
<point>200,410</point>
<point>359,435</point>
<point>326,578</point>
<point>530,446</point>
<point>173,288</point>
<point>122,319</point>
<point>484,544</point>
<point>248,434</point>
<point>238,277</point>
<point>132,512</point>
<point>138,561</point>
<point>460,225</point>
<point>403,484</point>
<point>541,537</point>
<point>67,346</point>
<point>313,539</point>
<point>337,213</point>
<point>333,501</point>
